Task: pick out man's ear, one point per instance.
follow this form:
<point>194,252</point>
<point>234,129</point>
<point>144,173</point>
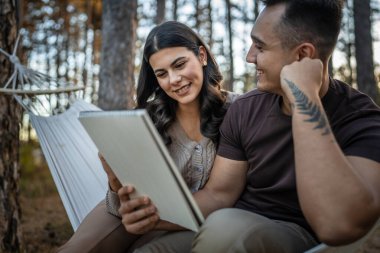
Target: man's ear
<point>202,55</point>
<point>306,50</point>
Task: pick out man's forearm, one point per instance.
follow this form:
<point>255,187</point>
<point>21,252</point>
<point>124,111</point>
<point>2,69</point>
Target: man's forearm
<point>208,202</point>
<point>329,188</point>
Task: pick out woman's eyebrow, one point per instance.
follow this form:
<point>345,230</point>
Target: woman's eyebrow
<point>172,64</point>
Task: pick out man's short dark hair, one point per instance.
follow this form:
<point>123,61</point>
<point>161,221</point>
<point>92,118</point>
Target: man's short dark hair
<point>314,21</point>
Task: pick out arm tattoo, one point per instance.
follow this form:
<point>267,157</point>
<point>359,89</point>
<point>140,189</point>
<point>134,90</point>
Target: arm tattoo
<point>308,108</point>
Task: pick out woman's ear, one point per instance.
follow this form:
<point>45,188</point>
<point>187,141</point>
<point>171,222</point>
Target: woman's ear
<point>306,50</point>
<point>202,55</point>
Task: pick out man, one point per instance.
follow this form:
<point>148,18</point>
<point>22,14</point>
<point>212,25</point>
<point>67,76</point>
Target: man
<point>307,146</point>
<point>299,158</point>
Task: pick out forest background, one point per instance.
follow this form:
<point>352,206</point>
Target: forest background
<point>97,44</point>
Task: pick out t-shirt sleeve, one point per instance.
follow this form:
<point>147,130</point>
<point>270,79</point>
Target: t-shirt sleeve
<point>230,145</point>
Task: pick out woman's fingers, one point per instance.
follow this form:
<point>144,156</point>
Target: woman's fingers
<point>124,192</point>
<point>134,215</point>
<point>142,226</point>
<point>139,215</point>
<point>112,179</point>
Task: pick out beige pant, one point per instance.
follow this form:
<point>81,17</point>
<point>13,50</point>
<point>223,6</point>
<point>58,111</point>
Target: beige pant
<point>103,232</point>
<point>235,230</point>
<point>226,230</point>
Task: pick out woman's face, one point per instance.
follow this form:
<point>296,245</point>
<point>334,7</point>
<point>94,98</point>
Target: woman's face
<point>179,73</point>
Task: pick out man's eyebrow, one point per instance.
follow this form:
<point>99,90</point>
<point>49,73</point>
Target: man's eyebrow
<point>257,40</point>
<point>171,64</point>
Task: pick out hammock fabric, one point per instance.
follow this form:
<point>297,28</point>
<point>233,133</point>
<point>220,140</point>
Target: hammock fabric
<point>73,160</point>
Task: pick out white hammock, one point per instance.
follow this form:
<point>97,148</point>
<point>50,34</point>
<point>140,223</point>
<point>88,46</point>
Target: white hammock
<point>73,160</point>
<point>71,155</point>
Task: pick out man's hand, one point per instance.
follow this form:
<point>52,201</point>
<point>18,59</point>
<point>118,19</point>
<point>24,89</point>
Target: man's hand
<point>114,183</point>
<point>303,76</point>
<point>139,215</point>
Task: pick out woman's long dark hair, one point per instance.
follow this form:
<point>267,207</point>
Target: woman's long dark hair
<point>159,105</point>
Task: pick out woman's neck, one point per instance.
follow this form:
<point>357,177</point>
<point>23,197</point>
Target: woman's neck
<point>189,119</point>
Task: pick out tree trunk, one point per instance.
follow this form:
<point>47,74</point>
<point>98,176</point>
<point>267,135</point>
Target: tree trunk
<point>197,14</point>
<point>161,10</point>
<point>256,9</point>
<point>228,85</point>
<point>10,117</point>
<point>210,40</point>
<point>331,67</point>
<point>363,49</point>
<point>175,9</point>
<point>118,54</point>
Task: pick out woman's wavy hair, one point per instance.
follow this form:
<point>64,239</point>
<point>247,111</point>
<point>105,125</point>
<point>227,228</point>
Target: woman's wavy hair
<point>159,105</point>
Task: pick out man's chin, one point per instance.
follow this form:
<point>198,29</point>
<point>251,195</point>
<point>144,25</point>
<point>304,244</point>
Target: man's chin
<point>260,88</point>
<point>266,87</point>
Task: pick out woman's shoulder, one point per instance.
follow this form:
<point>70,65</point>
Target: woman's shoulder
<point>231,96</point>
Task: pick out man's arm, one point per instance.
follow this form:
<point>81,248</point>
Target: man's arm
<point>226,183</point>
<point>222,190</point>
<point>339,195</point>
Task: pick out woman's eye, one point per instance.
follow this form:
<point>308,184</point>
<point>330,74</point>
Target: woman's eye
<point>180,65</point>
<point>160,75</point>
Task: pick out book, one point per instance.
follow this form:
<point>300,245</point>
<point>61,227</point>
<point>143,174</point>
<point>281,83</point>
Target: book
<point>135,151</point>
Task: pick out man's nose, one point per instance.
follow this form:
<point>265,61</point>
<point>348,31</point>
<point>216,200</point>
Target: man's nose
<point>251,56</point>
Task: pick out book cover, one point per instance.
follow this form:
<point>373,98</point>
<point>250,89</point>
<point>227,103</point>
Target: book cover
<point>136,153</point>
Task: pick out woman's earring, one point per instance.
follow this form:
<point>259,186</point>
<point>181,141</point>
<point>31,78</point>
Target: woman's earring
<point>204,63</point>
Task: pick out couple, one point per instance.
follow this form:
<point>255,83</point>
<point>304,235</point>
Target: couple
<point>297,160</point>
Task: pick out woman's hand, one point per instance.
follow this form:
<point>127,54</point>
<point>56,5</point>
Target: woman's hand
<point>114,183</point>
<point>139,215</point>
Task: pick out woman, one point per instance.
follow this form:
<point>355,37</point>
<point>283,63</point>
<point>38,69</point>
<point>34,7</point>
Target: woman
<point>180,87</point>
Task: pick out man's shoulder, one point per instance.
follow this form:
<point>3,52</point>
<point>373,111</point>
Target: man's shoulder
<point>350,97</point>
<point>253,104</point>
<point>254,99</point>
<point>254,95</point>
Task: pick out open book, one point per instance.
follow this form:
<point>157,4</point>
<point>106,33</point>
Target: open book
<point>133,148</point>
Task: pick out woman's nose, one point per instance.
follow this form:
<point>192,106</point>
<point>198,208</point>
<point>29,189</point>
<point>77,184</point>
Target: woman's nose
<point>174,78</point>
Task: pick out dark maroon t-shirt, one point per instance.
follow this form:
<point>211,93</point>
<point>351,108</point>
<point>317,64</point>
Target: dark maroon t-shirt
<point>256,130</point>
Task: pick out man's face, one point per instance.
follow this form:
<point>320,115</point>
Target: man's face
<point>266,51</point>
